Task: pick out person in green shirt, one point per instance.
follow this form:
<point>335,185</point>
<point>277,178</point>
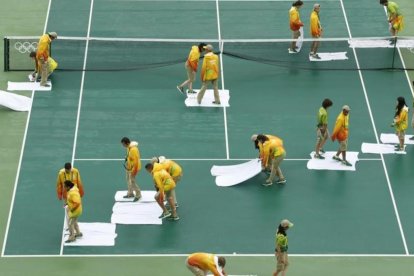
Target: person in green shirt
<point>322,133</point>
<point>395,18</point>
<point>282,248</point>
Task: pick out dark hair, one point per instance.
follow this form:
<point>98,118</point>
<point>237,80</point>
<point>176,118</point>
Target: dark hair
<point>221,261</point>
<point>149,166</point>
<point>32,54</point>
<point>201,46</point>
<point>125,140</point>
<point>281,230</point>
<point>400,105</point>
<point>327,103</point>
<point>69,184</point>
<point>68,166</point>
<point>383,2</point>
<point>297,3</point>
<point>262,138</point>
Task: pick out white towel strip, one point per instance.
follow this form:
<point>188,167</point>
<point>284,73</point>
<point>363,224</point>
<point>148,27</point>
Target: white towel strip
<point>15,102</point>
<point>330,164</point>
<point>27,86</point>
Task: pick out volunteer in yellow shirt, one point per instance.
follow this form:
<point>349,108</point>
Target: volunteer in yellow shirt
<point>52,65</point>
<point>281,249</point>
<point>275,153</point>
<point>295,23</point>
<point>340,133</point>
<point>209,73</point>
<point>400,122</point>
<point>395,18</point>
<point>315,30</point>
<point>164,184</point>
<point>202,263</point>
<point>191,66</point>
<point>132,167</point>
<point>322,132</point>
<point>74,206</point>
<point>42,55</point>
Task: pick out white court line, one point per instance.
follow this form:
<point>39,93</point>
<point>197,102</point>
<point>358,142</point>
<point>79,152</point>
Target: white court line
<point>79,109</point>
<point>22,148</point>
<point>224,255</point>
<point>376,137</point>
<point>212,159</point>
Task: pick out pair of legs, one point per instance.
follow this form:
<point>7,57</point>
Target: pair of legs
<point>322,135</point>
<point>44,71</point>
<point>159,197</point>
<point>203,90</point>
<point>343,145</point>
<point>276,171</point>
<point>74,231</point>
<point>396,25</point>
<point>314,47</point>
<point>282,264</point>
<point>132,186</point>
<point>191,75</point>
<point>401,138</point>
<point>295,35</point>
<point>195,270</point>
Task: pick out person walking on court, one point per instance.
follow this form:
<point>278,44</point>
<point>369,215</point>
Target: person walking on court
<point>209,73</point>
<point>68,174</point>
<point>315,30</point>
<point>165,185</point>
<point>74,206</point>
<point>200,264</point>
<point>322,132</point>
<point>42,55</point>
<point>400,122</point>
<point>132,166</point>
<point>340,133</point>
<point>52,65</point>
<point>273,152</point>
<point>191,66</point>
<point>281,250</point>
<point>395,18</point>
<point>172,168</point>
<point>295,24</point>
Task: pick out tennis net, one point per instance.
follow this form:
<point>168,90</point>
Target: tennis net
<point>122,54</point>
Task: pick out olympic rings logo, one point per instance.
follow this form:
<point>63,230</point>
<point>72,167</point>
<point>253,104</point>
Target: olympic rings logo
<point>25,47</point>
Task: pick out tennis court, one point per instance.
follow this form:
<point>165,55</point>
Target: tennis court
<point>357,222</point>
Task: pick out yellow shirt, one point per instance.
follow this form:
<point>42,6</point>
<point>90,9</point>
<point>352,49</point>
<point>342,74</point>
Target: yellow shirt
<point>172,168</point>
<point>205,262</point>
<point>43,47</point>
<point>294,19</point>
<point>133,159</point>
<point>271,149</point>
<point>163,181</point>
<point>193,58</point>
<point>340,131</point>
<point>276,139</point>
<point>401,121</point>
<point>73,176</point>
<point>210,68</point>
<point>315,25</point>
<point>74,203</point>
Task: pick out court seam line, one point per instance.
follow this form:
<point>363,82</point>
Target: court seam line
<point>16,181</point>
<point>75,139</point>
<point>376,135</point>
<point>226,136</point>
<point>226,255</point>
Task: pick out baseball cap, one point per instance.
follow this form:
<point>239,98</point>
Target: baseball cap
<point>316,6</point>
<point>209,47</point>
<point>52,34</point>
<point>286,223</point>
<point>254,137</point>
<point>346,107</point>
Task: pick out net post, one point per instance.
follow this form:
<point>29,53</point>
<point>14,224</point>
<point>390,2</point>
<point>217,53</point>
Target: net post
<point>6,44</point>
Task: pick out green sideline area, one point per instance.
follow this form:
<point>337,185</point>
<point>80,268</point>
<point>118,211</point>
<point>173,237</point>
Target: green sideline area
<point>356,223</point>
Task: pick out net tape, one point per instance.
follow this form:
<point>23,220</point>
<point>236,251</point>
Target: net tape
<point>123,54</point>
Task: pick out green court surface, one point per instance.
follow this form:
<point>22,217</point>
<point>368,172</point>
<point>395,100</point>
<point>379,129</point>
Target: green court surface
<point>346,223</point>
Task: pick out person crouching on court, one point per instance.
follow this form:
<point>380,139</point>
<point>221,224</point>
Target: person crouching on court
<point>209,73</point>
<point>74,205</point>
<point>51,66</point>
<point>164,184</point>
<point>258,145</point>
<point>395,18</point>
<point>275,153</point>
<point>173,169</point>
<point>295,23</point>
<point>400,122</point>
<point>341,133</point>
<point>200,264</point>
<point>191,66</point>
<point>43,54</point>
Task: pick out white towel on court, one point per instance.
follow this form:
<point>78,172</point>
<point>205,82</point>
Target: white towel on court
<point>136,213</point>
<point>230,169</point>
<point>146,196</point>
<point>208,99</point>
<point>236,176</point>
<point>380,148</point>
<point>27,86</point>
<point>95,234</point>
<point>330,164</point>
<point>329,56</point>
<point>15,102</point>
<point>391,138</point>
